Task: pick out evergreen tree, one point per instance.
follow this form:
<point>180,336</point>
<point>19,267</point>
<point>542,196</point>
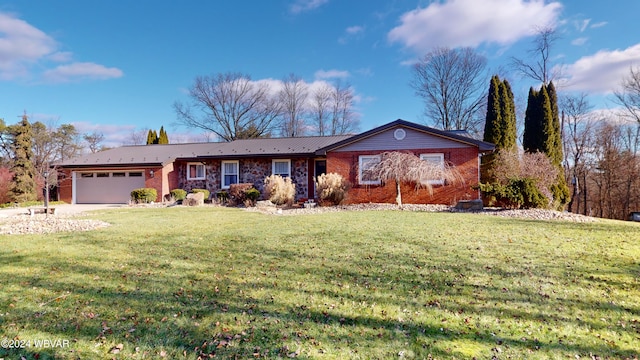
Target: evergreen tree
<point>23,187</point>
<point>542,134</point>
<point>557,138</point>
<point>508,110</point>
<point>500,125</point>
<point>152,137</point>
<point>492,125</point>
<point>163,138</point>
<point>532,124</point>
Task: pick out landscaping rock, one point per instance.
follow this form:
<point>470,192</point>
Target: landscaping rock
<point>194,199</point>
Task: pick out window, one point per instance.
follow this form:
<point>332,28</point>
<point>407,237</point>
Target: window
<point>281,167</point>
<point>229,173</point>
<point>118,174</point>
<point>101,174</point>
<point>135,174</point>
<point>438,161</point>
<point>365,164</point>
<point>86,175</point>
<point>195,171</point>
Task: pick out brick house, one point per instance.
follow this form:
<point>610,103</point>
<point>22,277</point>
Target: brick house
<point>110,175</point>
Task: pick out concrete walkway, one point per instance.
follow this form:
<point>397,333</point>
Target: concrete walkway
<point>64,209</point>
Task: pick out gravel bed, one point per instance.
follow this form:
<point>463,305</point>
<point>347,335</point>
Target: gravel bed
<point>42,224</point>
<point>532,214</point>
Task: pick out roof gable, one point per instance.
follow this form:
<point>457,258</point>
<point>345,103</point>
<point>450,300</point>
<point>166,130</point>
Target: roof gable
<point>416,136</point>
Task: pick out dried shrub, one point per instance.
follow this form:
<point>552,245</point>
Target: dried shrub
<point>279,190</point>
<point>331,189</point>
<point>237,192</point>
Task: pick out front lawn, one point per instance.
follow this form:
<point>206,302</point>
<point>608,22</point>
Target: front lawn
<point>188,282</point>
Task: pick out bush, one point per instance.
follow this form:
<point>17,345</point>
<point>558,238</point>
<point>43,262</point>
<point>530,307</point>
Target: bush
<point>204,191</point>
<point>144,195</point>
<point>331,189</point>
<point>280,190</point>
<point>237,192</point>
<point>178,194</point>
<point>251,195</point>
<point>517,193</point>
<point>222,196</point>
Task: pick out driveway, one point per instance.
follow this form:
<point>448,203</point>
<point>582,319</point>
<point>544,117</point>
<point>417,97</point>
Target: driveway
<point>65,209</point>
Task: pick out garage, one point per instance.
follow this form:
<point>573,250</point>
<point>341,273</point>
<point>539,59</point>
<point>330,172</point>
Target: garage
<point>106,187</point>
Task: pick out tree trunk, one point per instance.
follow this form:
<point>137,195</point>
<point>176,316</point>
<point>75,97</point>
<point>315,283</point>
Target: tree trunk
<point>398,194</point>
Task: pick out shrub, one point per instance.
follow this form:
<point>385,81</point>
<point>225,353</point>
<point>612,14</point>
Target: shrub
<point>204,191</point>
<point>517,193</point>
<point>331,189</point>
<point>222,196</point>
<point>280,190</point>
<point>252,195</point>
<point>144,195</point>
<point>178,194</point>
<point>237,192</point>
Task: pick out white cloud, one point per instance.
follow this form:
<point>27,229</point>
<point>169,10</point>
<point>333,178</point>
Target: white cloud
<point>331,74</point>
<point>81,71</point>
<point>301,6</point>
<point>457,23</point>
<point>579,41</point>
<point>353,30</point>
<point>601,72</point>
<point>21,45</point>
<point>582,25</point>
<point>599,24</point>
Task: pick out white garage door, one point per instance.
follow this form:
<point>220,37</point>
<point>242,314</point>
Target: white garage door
<point>107,187</point>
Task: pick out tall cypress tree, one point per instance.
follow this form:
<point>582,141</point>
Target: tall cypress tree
<point>152,137</point>
<point>508,110</point>
<point>532,124</point>
<point>492,125</point>
<point>23,186</point>
<point>500,124</point>
<point>163,138</point>
<point>542,133</point>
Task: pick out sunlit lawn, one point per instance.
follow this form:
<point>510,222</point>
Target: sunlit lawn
<point>188,282</point>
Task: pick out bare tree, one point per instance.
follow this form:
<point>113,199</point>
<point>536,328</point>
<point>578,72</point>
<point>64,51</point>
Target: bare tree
<point>319,108</point>
<point>406,168</point>
<point>629,94</point>
<point>293,98</point>
<point>541,69</point>
<point>93,141</point>
<point>343,119</point>
<point>452,83</point>
<point>577,133</point>
<point>137,137</point>
<point>229,104</point>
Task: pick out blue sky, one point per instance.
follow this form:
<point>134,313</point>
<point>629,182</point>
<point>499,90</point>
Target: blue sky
<point>118,66</point>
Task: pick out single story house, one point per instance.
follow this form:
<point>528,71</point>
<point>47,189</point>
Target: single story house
<point>109,176</point>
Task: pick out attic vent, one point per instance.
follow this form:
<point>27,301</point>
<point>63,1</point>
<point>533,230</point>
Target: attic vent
<point>399,134</point>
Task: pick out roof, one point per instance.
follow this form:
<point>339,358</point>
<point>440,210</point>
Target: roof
<point>160,155</point>
<point>454,135</point>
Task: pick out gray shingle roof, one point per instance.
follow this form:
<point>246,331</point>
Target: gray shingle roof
<point>159,155</point>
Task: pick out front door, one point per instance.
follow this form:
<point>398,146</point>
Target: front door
<point>319,169</point>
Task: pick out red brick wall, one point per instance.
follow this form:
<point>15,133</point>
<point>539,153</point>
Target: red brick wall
<point>65,190</point>
<point>155,181</point>
<point>464,160</point>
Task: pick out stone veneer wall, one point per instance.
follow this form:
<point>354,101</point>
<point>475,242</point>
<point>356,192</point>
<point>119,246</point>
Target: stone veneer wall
<point>252,171</point>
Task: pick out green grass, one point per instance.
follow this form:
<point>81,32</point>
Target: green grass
<point>188,282</point>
